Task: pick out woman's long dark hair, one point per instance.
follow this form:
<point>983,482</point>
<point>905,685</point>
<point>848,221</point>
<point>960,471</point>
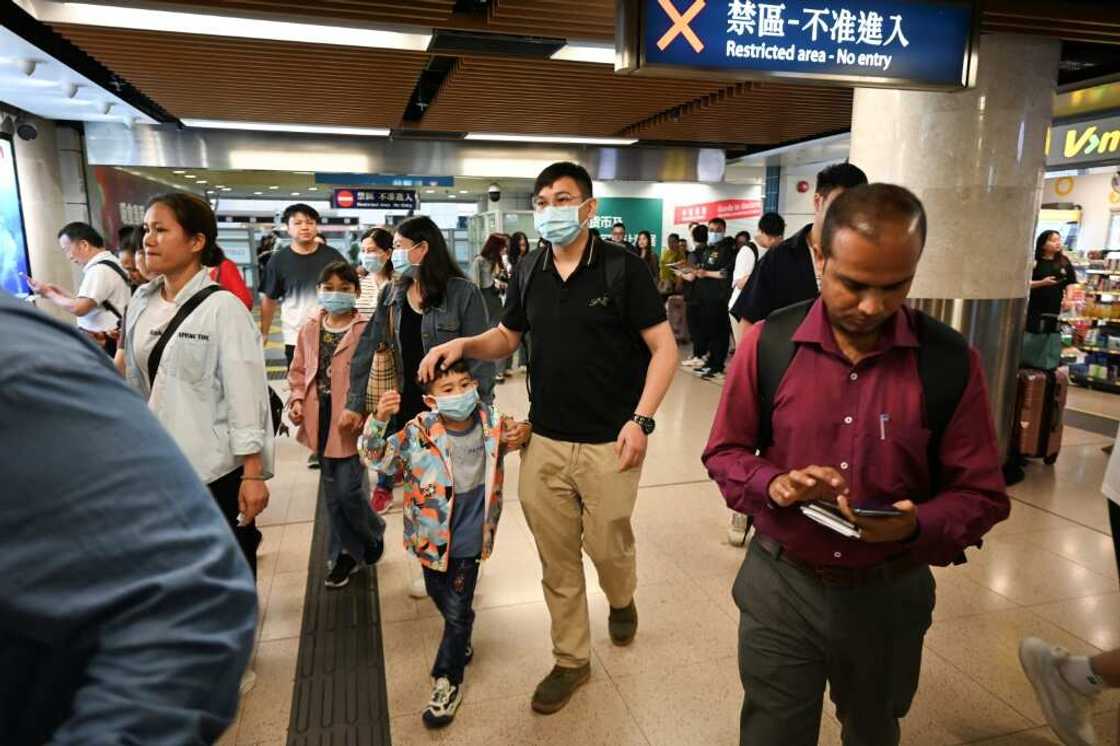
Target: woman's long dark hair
<point>492,249</point>
<point>1042,240</point>
<point>437,267</point>
<point>383,240</point>
<point>515,242</point>
<point>649,242</point>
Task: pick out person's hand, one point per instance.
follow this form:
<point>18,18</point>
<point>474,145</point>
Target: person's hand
<point>114,334</point>
<point>517,435</point>
<point>1049,281</point>
<point>878,530</point>
<point>388,405</point>
<point>295,412</point>
<point>252,499</point>
<point>689,276</point>
<point>631,446</point>
<point>35,285</point>
<point>350,423</point>
<point>808,484</point>
<point>441,356</point>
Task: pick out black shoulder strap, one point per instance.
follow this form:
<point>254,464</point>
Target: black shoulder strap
<point>181,315</point>
<point>120,273</point>
<point>943,366</point>
<point>776,349</point>
<point>524,270</point>
<point>614,267</point>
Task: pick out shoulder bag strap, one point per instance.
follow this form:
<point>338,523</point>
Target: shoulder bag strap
<point>776,349</point>
<point>943,367</point>
<point>120,273</point>
<point>181,315</point>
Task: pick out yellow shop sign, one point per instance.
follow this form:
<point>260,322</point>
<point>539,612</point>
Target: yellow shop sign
<point>1084,142</point>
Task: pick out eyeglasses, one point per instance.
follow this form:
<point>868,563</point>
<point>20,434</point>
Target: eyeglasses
<point>562,199</point>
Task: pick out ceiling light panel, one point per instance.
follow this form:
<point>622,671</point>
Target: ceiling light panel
<point>145,19</point>
<point>501,137</point>
<point>315,129</point>
<point>32,80</point>
<point>596,53</point>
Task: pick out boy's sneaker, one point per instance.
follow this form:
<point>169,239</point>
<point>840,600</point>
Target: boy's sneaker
<point>339,576</point>
<point>702,372</point>
<point>1065,708</point>
<point>374,552</point>
<point>417,588</point>
<point>382,500</point>
<point>713,375</point>
<point>313,461</point>
<point>248,681</point>
<point>558,687</point>
<point>446,698</point>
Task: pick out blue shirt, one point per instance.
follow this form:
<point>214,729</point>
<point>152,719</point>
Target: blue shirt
<point>468,466</point>
<point>127,612</point>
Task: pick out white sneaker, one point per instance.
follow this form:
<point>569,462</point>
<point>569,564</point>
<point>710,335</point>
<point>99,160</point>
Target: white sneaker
<point>248,681</point>
<point>417,589</point>
<point>446,698</point>
<point>1065,708</point>
<point>737,533</point>
<point>693,362</point>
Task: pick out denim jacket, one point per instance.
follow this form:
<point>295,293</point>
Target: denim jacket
<point>211,390</point>
<point>462,313</point>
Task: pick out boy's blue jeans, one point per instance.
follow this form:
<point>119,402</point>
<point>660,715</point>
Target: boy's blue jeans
<point>453,594</point>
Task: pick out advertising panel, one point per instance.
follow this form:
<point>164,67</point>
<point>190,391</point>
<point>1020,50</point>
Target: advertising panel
<point>13,237</point>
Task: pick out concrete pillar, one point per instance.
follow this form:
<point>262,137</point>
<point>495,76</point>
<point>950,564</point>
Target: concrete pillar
<point>976,160</point>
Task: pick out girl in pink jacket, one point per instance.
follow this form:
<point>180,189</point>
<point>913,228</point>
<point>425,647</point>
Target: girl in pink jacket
<point>319,379</point>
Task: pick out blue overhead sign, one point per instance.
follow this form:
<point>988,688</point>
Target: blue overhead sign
<point>897,43</point>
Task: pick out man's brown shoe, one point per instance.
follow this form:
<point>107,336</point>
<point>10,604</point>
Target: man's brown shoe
<point>623,625</point>
<point>557,688</point>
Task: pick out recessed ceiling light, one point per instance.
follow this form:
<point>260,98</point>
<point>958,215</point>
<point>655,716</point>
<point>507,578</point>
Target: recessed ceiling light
<point>216,186</point>
<point>258,193</point>
<point>500,137</point>
<point>202,181</point>
<point>463,191</point>
<point>179,22</point>
<point>316,129</point>
<point>178,172</point>
<point>274,187</point>
<point>429,191</point>
<point>602,54</point>
<point>451,196</point>
<point>312,189</point>
<point>189,176</point>
<point>295,194</point>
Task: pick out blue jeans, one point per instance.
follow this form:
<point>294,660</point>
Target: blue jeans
<point>355,528</point>
<point>453,594</point>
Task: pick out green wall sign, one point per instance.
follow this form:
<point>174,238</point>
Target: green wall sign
<point>638,213</point>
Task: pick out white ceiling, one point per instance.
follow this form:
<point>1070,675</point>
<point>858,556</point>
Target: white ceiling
<point>37,83</point>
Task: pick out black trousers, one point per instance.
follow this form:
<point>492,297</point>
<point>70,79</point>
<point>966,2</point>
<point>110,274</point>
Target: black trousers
<point>693,319</point>
<point>225,491</point>
<point>1114,524</point>
<point>717,327</point>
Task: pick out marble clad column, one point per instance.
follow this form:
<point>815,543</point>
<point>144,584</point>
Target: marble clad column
<point>976,160</point>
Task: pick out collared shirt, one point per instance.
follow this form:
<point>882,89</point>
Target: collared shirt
<point>100,284</point>
<point>866,421</point>
<point>588,363</point>
<point>718,257</point>
<point>127,612</point>
<point>211,390</point>
<point>785,275</point>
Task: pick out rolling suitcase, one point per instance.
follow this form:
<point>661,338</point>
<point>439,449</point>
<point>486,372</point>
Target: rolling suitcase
<point>1042,400</point>
<point>678,318</point>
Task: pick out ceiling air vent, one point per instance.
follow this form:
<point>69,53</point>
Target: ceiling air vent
<point>475,42</point>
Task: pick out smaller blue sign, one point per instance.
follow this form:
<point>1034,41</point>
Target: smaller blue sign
<point>927,44</point>
<point>387,180</point>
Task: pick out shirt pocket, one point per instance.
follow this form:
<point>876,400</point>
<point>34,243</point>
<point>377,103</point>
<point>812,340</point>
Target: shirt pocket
<point>448,327</point>
<point>896,464</point>
<point>190,360</point>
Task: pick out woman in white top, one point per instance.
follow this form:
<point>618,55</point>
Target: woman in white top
<point>376,268</point>
<point>209,390</point>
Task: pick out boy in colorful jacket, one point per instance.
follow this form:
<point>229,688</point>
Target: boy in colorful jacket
<point>450,460</point>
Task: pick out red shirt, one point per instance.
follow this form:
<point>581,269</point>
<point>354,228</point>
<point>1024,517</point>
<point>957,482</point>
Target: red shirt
<point>229,276</point>
<point>829,412</point>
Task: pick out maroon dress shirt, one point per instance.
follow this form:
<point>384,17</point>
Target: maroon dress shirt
<point>865,420</point>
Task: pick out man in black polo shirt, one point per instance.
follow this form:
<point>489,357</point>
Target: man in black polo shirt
<point>602,358</point>
<point>787,273</point>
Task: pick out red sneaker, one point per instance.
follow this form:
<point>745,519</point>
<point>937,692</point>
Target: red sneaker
<point>382,500</point>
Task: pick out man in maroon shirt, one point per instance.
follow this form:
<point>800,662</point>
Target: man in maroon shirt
<point>848,427</point>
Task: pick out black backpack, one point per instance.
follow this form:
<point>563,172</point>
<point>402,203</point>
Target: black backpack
<point>943,366</point>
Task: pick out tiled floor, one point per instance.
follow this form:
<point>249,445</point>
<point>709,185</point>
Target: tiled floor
<point>1047,571</point>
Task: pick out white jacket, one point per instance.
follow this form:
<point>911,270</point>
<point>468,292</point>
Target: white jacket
<point>211,390</point>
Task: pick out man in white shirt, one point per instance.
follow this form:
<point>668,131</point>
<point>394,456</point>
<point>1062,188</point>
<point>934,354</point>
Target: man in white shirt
<point>103,296</point>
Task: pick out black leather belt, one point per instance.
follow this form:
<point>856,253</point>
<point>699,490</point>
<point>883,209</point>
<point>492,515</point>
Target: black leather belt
<point>847,577</point>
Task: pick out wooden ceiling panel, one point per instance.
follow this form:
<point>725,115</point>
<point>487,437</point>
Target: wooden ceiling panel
<point>574,19</point>
<point>418,12</point>
<point>211,77</point>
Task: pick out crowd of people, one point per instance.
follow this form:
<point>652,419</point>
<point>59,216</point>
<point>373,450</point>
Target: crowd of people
<point>857,462</point>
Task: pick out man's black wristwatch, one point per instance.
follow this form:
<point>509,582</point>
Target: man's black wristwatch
<point>646,423</point>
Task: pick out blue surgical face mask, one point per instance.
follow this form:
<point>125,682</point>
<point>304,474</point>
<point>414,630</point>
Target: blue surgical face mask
<point>559,225</point>
<point>714,237</point>
<point>372,262</point>
<point>334,302</point>
<point>400,260</point>
<point>458,407</point>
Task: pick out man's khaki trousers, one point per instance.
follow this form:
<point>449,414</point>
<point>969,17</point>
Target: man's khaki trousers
<point>575,500</point>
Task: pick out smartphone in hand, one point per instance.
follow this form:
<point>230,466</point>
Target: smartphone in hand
<point>879,511</point>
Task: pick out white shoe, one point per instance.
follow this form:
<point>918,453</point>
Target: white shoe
<point>737,533</point>
<point>1065,708</point>
<point>446,698</point>
<point>248,681</point>
<point>693,362</point>
<point>417,589</point>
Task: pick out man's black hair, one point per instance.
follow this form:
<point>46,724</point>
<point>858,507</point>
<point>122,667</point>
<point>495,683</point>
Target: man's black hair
<point>866,209</point>
<point>720,222</point>
<point>745,234</point>
<point>700,234</point>
<point>344,271</point>
<point>78,231</point>
<point>619,225</point>
<point>557,171</point>
<point>459,366</point>
<point>300,208</point>
<point>772,224</point>
<point>839,176</point>
<point>674,235</point>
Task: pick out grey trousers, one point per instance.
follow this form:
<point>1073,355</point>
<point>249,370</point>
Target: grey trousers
<point>796,634</point>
